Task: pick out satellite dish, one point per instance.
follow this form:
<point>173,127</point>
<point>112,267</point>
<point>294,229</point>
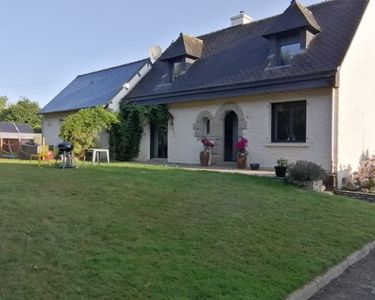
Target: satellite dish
<point>154,53</point>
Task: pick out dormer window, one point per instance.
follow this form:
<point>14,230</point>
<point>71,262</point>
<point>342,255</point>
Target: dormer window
<point>178,68</point>
<point>284,49</point>
<point>290,33</point>
<point>287,53</point>
<point>181,55</point>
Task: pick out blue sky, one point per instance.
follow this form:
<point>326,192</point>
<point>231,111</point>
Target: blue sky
<point>45,44</point>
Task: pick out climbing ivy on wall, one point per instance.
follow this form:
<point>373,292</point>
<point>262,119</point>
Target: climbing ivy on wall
<point>125,137</point>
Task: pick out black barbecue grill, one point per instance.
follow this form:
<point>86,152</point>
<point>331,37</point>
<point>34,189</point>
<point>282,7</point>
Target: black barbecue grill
<point>65,148</point>
<point>65,153</point>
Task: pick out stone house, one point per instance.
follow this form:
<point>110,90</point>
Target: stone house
<point>299,85</point>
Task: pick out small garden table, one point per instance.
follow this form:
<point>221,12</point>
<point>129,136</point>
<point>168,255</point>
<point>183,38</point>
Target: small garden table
<point>96,155</point>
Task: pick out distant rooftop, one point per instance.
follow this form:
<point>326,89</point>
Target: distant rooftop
<point>93,89</point>
<point>15,128</point>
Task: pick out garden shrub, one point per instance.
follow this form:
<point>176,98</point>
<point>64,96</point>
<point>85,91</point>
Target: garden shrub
<point>83,127</point>
<point>305,170</point>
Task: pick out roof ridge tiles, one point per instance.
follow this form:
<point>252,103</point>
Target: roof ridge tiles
<point>114,67</point>
<point>260,20</point>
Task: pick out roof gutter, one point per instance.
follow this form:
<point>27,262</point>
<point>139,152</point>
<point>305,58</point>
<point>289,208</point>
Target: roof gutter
<point>320,80</point>
<point>41,113</point>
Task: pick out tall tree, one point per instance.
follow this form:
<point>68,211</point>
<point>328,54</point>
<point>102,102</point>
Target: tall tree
<point>3,104</point>
<point>24,111</point>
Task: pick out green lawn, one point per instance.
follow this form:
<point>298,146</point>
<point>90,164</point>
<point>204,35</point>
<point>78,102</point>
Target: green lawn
<point>142,232</point>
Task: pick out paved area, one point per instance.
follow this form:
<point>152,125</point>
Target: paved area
<point>221,168</point>
<point>357,283</point>
<point>226,169</point>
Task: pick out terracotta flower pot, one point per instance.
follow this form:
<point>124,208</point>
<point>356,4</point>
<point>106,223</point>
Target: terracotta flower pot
<point>204,158</point>
<point>241,159</point>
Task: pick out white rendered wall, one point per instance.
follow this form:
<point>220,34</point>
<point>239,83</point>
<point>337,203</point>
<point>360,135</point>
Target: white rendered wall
<point>184,146</point>
<point>51,127</point>
<point>356,98</point>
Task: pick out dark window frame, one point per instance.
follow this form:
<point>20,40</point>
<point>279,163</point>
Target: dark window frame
<point>174,74</point>
<point>285,40</point>
<point>281,45</point>
<point>185,64</point>
<point>290,122</point>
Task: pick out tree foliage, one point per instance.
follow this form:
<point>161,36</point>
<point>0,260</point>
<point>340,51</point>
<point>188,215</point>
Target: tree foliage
<point>365,177</point>
<point>125,137</point>
<point>82,128</point>
<point>3,103</point>
<point>24,111</point>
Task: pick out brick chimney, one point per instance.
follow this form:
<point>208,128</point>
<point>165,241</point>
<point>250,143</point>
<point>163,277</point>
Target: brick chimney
<point>241,19</point>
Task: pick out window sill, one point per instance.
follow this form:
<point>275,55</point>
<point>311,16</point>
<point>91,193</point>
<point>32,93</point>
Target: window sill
<point>277,67</point>
<point>287,145</point>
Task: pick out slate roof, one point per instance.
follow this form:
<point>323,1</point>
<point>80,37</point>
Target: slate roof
<point>15,128</point>
<point>93,89</point>
<point>235,59</point>
<point>295,16</point>
<point>184,46</point>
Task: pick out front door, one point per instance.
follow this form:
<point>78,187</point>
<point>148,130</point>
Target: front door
<point>230,136</point>
<point>158,143</point>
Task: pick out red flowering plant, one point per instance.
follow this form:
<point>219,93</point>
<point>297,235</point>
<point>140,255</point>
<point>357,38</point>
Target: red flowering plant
<point>241,146</point>
<point>207,144</point>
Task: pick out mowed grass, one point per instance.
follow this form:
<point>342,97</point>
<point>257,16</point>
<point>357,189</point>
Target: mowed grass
<point>142,232</point>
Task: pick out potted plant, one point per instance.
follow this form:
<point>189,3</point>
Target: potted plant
<point>307,174</point>
<point>205,155</point>
<point>282,166</point>
<point>254,167</point>
<point>241,153</point>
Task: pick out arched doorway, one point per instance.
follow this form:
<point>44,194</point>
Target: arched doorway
<point>230,135</point>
